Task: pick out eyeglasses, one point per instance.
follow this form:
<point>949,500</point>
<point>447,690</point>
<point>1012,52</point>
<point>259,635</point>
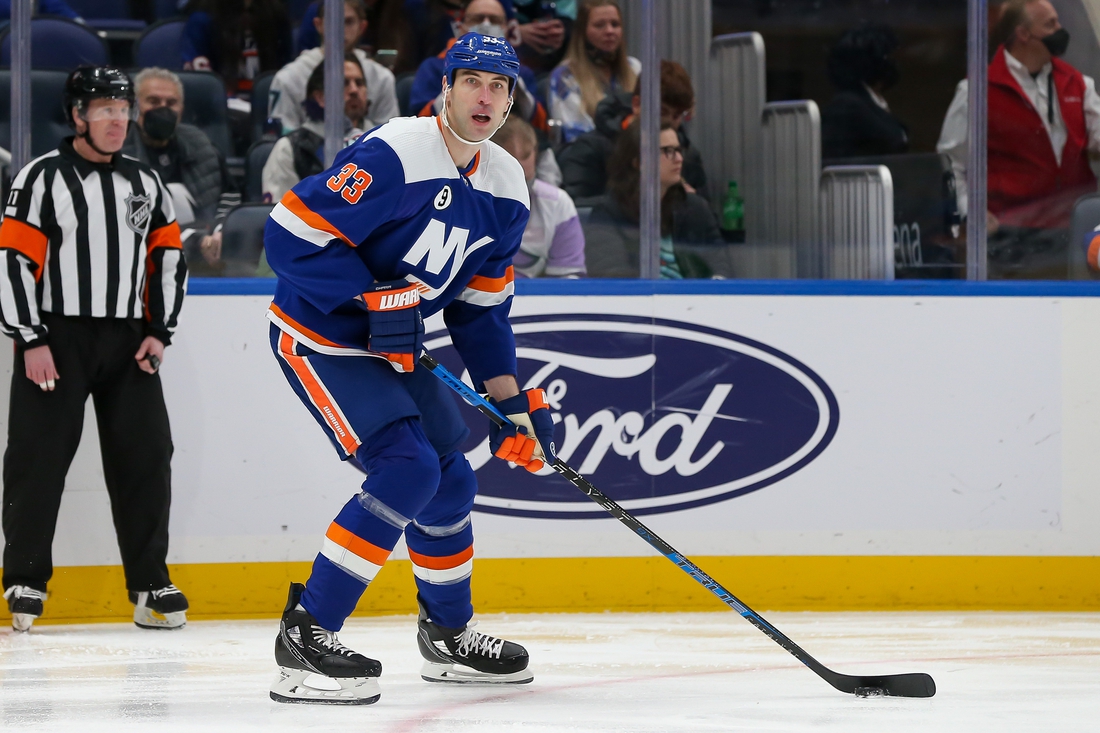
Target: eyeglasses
<point>671,151</point>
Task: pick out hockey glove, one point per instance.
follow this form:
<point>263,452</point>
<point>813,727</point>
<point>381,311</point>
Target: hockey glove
<point>529,442</point>
<point>396,328</point>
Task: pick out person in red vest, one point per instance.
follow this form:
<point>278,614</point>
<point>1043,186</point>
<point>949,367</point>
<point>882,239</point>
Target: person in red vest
<point>1044,119</point>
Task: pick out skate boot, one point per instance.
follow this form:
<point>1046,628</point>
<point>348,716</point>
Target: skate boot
<point>465,655</point>
<point>315,667</point>
<point>25,604</point>
<point>159,609</point>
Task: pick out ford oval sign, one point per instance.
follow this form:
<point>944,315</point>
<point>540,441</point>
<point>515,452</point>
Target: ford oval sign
<point>660,415</point>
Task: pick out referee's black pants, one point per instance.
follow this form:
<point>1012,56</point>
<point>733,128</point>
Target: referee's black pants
<point>93,356</point>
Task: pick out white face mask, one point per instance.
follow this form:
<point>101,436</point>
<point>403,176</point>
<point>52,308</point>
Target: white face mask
<point>486,28</point>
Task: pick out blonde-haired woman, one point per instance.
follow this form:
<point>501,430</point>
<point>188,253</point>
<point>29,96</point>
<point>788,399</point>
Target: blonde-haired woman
<point>595,65</point>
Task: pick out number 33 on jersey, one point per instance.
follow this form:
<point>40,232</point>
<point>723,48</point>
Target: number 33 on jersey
<point>350,182</point>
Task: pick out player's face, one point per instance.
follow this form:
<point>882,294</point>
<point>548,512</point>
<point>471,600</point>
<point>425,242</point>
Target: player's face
<point>477,103</point>
<point>107,121</point>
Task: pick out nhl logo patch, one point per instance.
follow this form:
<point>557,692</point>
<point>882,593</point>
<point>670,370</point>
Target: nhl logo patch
<point>443,198</point>
<point>139,209</point>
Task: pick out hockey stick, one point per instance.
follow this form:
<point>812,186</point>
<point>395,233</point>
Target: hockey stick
<point>897,685</point>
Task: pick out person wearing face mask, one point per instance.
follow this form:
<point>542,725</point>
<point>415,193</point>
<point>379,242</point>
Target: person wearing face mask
<point>553,242</point>
<point>488,18</point>
<point>858,121</point>
<point>595,65</point>
<point>1044,120</point>
<point>190,166</point>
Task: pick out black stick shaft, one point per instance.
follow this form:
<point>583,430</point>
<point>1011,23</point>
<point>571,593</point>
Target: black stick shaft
<point>904,685</point>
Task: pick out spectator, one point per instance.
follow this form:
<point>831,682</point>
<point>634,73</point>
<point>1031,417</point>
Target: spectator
<point>239,39</point>
<point>44,7</point>
<point>596,64</point>
<point>584,162</point>
<point>553,242</point>
<point>1044,120</point>
<point>301,153</point>
<point>288,88</point>
<point>490,18</point>
<point>686,218</point>
<point>387,29</point>
<point>544,30</point>
<point>858,121</point>
<point>191,168</point>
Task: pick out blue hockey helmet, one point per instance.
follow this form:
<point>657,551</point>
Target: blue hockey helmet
<point>482,53</point>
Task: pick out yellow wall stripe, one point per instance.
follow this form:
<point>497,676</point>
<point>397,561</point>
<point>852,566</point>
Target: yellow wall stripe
<point>258,590</point>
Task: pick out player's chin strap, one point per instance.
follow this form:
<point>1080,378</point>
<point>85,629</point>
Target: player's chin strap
<point>443,118</point>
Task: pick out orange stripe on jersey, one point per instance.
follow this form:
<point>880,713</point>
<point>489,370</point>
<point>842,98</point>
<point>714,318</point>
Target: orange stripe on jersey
<point>477,162</point>
<point>297,207</point>
<point>492,284</point>
<point>167,236</point>
<point>1094,250</point>
<point>303,330</point>
<point>441,563</point>
<point>358,545</point>
<point>26,240</point>
<point>318,395</point>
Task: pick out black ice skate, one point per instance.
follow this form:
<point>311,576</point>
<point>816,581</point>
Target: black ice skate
<point>25,604</point>
<point>315,667</point>
<point>165,608</point>
<point>465,655</point>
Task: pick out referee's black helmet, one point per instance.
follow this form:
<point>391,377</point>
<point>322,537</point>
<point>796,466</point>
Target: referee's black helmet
<point>86,83</point>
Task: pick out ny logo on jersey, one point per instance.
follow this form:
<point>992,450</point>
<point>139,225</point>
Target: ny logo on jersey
<point>438,247</point>
<point>139,209</point>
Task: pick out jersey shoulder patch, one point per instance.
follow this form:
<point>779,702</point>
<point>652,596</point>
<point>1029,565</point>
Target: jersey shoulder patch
<point>419,146</point>
<point>500,175</point>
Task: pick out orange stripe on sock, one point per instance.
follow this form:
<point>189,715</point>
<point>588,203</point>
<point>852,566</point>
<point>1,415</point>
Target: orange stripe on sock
<point>318,396</point>
<point>441,563</point>
<point>369,552</point>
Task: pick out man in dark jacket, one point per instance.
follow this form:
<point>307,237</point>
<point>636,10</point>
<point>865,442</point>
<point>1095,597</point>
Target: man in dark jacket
<point>191,168</point>
<point>584,162</point>
<point>857,121</point>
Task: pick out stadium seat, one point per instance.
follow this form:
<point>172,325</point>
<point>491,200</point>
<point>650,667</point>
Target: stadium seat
<point>403,88</point>
<point>243,239</point>
<point>58,43</point>
<point>49,124</point>
<point>107,14</point>
<point>204,107</point>
<point>260,103</point>
<point>254,168</point>
<point>159,45</point>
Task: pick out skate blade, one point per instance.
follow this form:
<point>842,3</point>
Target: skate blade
<point>146,618</point>
<point>300,686</point>
<point>461,674</point>
<point>22,621</point>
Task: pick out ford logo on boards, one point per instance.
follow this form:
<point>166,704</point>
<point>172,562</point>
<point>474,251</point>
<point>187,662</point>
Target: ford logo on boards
<point>660,415</point>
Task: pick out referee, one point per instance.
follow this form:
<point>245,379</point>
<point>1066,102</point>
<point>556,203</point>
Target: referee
<point>92,278</point>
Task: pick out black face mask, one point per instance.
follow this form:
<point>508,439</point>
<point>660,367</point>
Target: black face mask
<point>160,124</point>
<point>1057,42</point>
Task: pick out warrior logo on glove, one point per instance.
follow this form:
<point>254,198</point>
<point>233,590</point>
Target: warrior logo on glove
<point>529,440</point>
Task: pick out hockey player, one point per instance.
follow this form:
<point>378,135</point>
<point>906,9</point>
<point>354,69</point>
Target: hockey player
<point>422,215</point>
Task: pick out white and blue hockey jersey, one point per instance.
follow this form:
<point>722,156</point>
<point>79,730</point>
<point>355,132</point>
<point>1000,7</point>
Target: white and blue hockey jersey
<point>394,206</point>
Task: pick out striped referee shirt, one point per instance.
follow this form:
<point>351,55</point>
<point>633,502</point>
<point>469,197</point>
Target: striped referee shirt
<point>89,239</point>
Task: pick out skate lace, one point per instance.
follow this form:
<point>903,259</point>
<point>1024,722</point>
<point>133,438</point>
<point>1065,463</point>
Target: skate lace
<point>170,590</point>
<point>21,591</point>
<point>473,641</point>
<point>328,640</point>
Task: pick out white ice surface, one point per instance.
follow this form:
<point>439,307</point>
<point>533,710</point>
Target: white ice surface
<point>597,672</point>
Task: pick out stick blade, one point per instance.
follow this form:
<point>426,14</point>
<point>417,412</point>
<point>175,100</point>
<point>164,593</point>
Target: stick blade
<point>916,684</point>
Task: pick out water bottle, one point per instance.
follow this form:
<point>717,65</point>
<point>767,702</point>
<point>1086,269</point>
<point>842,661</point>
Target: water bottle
<point>733,209</point>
